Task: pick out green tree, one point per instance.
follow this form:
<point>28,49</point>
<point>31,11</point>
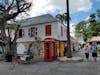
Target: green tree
<point>98,14</point>
<point>89,28</point>
<point>95,28</point>
<point>82,30</point>
<point>10,9</point>
<point>92,18</point>
<point>94,23</point>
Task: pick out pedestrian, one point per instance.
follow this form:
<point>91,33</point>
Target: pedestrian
<point>86,49</point>
<point>79,46</point>
<point>94,51</point>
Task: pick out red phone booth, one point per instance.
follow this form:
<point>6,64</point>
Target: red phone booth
<point>50,49</point>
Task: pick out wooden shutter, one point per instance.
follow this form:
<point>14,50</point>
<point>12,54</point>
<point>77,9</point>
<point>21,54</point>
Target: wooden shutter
<point>48,30</point>
<point>36,31</point>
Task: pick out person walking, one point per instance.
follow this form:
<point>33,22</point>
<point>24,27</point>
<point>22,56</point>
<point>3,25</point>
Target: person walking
<point>94,51</point>
<point>86,49</point>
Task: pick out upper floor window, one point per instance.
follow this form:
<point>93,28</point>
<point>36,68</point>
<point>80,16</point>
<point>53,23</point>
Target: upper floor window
<point>48,30</point>
<point>33,32</point>
<point>21,33</point>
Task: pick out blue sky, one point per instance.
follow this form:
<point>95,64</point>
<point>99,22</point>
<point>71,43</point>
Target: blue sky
<point>79,9</point>
<point>79,16</point>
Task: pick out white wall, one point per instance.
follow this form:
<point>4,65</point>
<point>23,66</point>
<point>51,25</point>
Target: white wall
<point>56,32</point>
<point>64,32</point>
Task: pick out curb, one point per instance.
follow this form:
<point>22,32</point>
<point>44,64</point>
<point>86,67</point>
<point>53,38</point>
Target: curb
<point>73,59</point>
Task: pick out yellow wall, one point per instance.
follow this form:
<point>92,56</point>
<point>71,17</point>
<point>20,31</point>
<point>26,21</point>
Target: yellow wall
<point>61,49</point>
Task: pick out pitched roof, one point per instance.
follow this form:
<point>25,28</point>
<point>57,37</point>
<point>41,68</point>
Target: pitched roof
<point>47,18</point>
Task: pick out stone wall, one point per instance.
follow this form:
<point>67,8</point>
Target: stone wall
<point>37,49</point>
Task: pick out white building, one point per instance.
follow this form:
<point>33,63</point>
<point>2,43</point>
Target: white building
<point>51,32</point>
<point>44,26</point>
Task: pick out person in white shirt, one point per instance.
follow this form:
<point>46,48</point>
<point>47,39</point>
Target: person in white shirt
<point>87,50</point>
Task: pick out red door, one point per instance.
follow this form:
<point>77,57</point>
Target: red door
<point>50,50</point>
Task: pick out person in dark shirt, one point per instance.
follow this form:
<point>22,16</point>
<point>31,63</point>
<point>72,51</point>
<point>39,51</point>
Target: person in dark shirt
<point>94,52</point>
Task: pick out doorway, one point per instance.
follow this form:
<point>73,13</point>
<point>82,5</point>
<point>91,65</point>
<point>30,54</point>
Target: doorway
<point>50,49</point>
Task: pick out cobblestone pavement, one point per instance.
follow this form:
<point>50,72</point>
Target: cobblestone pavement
<point>52,68</point>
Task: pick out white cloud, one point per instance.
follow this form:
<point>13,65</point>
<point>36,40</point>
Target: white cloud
<point>87,18</point>
<point>40,7</point>
<point>44,6</point>
<point>75,5</point>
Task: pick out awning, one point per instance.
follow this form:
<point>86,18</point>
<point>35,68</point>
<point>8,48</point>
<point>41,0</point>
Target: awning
<point>95,39</point>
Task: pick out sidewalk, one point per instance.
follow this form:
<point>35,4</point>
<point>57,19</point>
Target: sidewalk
<point>76,57</point>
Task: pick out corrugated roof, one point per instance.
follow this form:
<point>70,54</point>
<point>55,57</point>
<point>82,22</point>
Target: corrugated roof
<point>47,18</point>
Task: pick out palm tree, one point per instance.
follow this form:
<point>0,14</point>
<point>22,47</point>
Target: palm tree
<point>60,18</point>
<point>65,18</point>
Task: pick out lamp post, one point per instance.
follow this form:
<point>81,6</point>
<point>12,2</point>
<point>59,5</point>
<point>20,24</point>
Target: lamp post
<point>69,53</point>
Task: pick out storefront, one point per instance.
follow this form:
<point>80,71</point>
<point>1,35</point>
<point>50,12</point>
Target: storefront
<point>50,49</point>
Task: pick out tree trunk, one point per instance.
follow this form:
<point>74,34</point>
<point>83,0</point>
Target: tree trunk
<point>10,46</point>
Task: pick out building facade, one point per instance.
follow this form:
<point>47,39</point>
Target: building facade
<point>45,34</point>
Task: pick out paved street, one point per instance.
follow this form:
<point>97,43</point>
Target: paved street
<point>52,68</point>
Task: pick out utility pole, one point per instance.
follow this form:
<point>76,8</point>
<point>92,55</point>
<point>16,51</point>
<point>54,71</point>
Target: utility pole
<point>69,53</point>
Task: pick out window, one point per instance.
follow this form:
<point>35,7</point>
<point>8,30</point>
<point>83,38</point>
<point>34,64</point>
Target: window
<point>33,32</point>
<point>48,30</point>
<point>61,31</point>
<point>21,33</point>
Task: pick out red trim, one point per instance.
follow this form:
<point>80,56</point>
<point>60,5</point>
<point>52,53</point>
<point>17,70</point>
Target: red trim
<point>36,32</point>
<point>50,53</point>
<point>48,30</point>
